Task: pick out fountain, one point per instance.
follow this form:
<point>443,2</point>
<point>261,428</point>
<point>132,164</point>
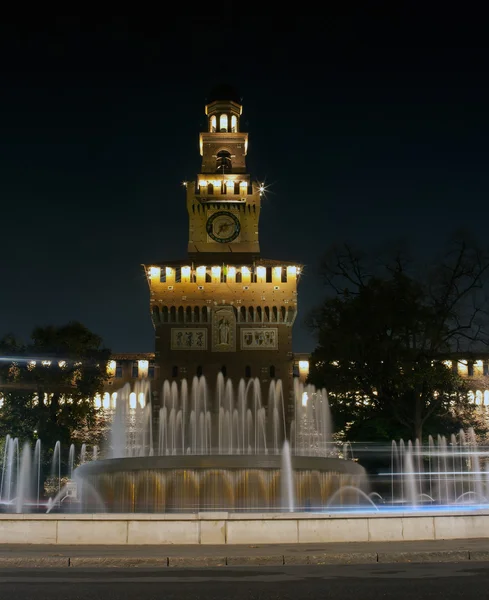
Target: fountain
<point>230,452</point>
<point>233,452</point>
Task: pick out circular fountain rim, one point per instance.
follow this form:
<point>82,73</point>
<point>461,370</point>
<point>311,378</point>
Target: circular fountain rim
<point>219,461</point>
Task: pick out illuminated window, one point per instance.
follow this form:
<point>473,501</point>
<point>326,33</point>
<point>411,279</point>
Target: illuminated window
<point>462,367</point>
<point>213,124</point>
<point>223,123</point>
<point>234,124</point>
<point>106,401</point>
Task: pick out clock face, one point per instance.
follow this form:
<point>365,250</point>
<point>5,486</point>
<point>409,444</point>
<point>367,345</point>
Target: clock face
<point>223,227</point>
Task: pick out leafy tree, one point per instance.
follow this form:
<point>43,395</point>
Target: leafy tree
<point>383,332</point>
<point>48,385</point>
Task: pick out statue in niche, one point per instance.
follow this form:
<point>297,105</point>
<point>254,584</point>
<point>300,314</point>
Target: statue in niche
<point>224,329</point>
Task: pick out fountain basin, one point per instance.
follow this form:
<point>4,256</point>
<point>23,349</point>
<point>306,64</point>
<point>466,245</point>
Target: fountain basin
<point>197,483</point>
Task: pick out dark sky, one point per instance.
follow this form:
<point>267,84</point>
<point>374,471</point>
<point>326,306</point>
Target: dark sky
<point>366,128</point>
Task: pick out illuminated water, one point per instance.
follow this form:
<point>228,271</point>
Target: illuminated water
<point>195,450</point>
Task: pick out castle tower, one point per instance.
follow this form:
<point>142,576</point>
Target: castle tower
<point>224,308</point>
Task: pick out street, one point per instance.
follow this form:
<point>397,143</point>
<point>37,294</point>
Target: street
<point>346,582</point>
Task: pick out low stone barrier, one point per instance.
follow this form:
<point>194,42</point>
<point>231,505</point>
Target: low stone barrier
<point>232,528</point>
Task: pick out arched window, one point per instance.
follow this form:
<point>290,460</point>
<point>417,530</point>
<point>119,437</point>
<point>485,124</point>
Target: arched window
<point>223,123</point>
<point>271,371</point>
<point>223,162</point>
<point>180,314</point>
<point>239,277</point>
<point>210,188</point>
<point>248,371</point>
<point>156,314</point>
<point>196,314</point>
<point>242,314</point>
<point>212,127</point>
<point>234,124</point>
<point>204,314</point>
<point>164,314</point>
<point>199,371</point>
<point>173,314</point>
<point>188,314</point>
<point>174,371</point>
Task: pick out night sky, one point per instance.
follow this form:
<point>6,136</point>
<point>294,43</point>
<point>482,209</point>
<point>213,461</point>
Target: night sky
<point>364,129</point>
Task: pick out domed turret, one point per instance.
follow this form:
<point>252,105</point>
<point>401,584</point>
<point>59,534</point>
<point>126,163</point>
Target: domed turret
<point>224,92</point>
<point>223,109</point>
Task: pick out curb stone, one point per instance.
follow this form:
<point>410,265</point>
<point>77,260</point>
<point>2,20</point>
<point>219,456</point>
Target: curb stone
<point>243,561</point>
<point>426,556</point>
<point>31,562</point>
<point>117,561</point>
<point>343,558</point>
<point>198,561</point>
<point>326,558</point>
<point>479,555</point>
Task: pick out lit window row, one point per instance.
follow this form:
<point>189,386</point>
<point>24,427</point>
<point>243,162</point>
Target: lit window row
<point>223,186</point>
<point>217,274</point>
<point>476,368</point>
<point>109,401</point>
<point>139,369</point>
<point>226,123</point>
<point>478,397</point>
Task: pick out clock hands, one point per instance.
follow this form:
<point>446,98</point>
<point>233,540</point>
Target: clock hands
<point>223,227</point>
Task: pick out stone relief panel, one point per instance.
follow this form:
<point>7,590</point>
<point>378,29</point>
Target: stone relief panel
<point>259,338</point>
<point>223,329</point>
<point>189,339</point>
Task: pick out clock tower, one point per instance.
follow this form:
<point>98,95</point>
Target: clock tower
<point>223,204</point>
<point>224,309</point>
